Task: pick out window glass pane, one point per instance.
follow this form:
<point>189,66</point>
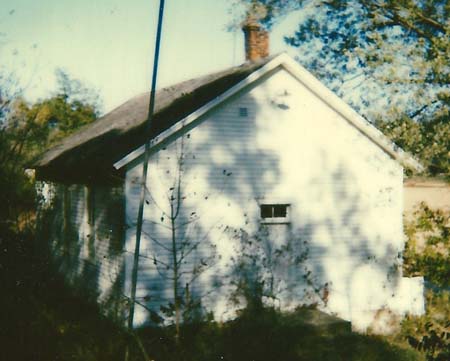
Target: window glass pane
<point>243,112</point>
<point>279,210</point>
<point>266,211</point>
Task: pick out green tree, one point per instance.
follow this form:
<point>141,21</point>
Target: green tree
<point>427,254</point>
<point>428,140</point>
<point>26,130</point>
<point>393,51</point>
<point>181,249</point>
<point>428,245</point>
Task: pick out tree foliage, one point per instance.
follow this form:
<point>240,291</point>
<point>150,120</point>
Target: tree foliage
<point>428,140</point>
<point>427,254</point>
<point>392,52</point>
<point>28,129</point>
<point>428,246</point>
<point>431,333</point>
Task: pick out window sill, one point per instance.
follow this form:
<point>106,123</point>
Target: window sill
<point>275,220</point>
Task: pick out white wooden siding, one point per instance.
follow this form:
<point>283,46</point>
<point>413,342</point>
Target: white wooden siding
<point>85,229</point>
<point>345,196</point>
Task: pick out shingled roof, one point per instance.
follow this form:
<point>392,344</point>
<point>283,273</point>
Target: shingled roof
<point>89,154</point>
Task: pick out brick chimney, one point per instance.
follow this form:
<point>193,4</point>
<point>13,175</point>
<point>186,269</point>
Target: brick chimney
<point>256,40</point>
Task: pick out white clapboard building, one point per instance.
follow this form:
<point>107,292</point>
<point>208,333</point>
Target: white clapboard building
<point>257,166</point>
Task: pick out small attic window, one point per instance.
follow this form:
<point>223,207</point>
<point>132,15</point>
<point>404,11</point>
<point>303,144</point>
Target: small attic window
<point>243,112</point>
<point>274,213</point>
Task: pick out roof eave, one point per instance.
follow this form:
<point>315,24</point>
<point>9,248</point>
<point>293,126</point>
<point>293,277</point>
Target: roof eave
<point>257,74</point>
<point>315,86</point>
<point>348,113</point>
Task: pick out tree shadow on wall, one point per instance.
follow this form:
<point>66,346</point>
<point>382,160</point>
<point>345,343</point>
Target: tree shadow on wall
<point>331,210</point>
<point>82,228</point>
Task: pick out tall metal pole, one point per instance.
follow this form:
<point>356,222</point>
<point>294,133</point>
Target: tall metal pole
<point>148,127</point>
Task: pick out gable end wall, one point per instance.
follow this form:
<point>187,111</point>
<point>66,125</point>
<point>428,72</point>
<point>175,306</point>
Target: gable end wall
<point>345,197</point>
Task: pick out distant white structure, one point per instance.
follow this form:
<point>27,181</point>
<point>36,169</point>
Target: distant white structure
<point>432,191</point>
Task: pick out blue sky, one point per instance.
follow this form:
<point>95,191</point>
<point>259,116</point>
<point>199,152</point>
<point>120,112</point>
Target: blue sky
<point>108,44</point>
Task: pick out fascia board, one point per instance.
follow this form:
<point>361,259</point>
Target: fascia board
<point>346,111</point>
<point>201,111</point>
<point>310,82</point>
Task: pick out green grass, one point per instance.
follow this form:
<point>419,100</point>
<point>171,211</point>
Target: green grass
<point>41,319</point>
<point>269,335</point>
